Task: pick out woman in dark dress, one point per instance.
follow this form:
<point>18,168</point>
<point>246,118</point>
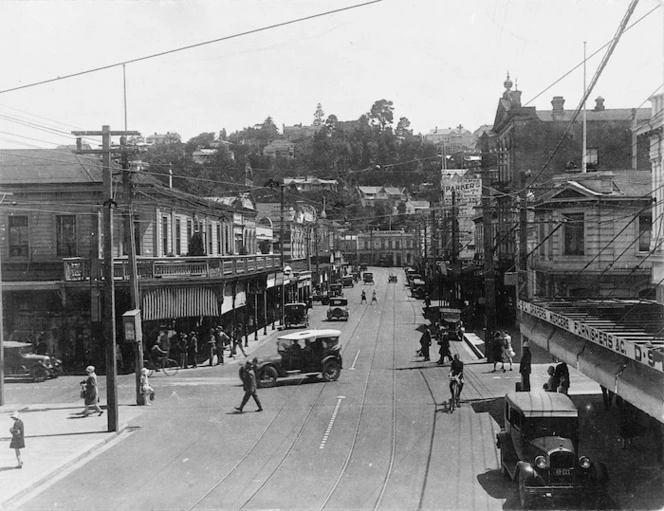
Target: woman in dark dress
<point>18,438</point>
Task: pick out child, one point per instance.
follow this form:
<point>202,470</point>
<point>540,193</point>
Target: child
<point>146,389</point>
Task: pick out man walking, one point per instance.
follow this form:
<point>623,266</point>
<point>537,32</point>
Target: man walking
<point>249,386</point>
<point>525,366</point>
<point>237,342</point>
<point>220,340</point>
<point>425,342</point>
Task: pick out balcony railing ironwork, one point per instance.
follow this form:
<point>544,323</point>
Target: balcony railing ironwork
<point>78,269</point>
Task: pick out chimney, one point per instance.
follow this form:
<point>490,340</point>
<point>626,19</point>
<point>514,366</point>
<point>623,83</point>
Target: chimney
<point>558,103</point>
<point>599,104</point>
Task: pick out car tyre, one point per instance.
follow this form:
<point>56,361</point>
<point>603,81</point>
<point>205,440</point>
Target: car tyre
<point>331,370</point>
<point>39,373</point>
<point>267,377</point>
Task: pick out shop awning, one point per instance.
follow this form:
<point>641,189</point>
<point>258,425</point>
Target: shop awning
<point>181,302</point>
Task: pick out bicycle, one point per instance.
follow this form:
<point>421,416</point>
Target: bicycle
<point>455,390</point>
<point>169,366</point>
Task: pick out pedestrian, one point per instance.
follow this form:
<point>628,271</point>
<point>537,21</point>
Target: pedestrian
<point>562,374</point>
<point>192,349</point>
<point>444,350</point>
<point>363,299</point>
<point>427,301</point>
<point>221,340</point>
<point>183,348</point>
<point>211,344</point>
<point>508,352</point>
<point>525,366</point>
<point>373,297</point>
<point>90,392</point>
<point>237,343</point>
<point>18,437</point>
<point>146,389</point>
<point>497,351</point>
<point>607,397</point>
<point>552,384</point>
<point>425,342</point>
<point>249,386</point>
<point>628,426</point>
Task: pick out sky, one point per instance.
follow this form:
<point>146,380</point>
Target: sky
<point>441,62</point>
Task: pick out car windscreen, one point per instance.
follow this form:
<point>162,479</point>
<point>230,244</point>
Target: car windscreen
<point>537,427</point>
<point>328,342</point>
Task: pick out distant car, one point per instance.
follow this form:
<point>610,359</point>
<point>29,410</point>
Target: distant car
<point>336,289</point>
<point>309,352</point>
<point>296,315</point>
<point>21,362</point>
<point>418,289</point>
<point>363,267</point>
<point>539,446</point>
<point>367,277</point>
<point>338,309</point>
<point>392,279</point>
<point>348,281</point>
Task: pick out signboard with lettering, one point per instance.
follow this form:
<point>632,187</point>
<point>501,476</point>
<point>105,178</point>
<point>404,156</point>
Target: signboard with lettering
<point>467,193</point>
<point>639,353</point>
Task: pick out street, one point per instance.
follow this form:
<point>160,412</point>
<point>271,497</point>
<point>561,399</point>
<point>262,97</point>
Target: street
<point>381,437</point>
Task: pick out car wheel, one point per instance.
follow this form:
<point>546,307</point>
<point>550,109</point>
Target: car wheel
<point>331,370</point>
<point>267,377</point>
<point>39,373</point>
<point>525,499</point>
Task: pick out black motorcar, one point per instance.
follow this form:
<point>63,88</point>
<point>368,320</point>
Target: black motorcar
<point>296,315</point>
<point>539,446</point>
<point>21,362</point>
<point>309,352</point>
<point>348,281</point>
<point>338,309</point>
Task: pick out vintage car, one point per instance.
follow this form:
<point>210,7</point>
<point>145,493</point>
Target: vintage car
<point>336,289</point>
<point>449,320</point>
<point>539,446</point>
<point>367,277</point>
<point>296,315</point>
<point>392,279</point>
<point>310,352</point>
<point>363,267</point>
<point>418,288</point>
<point>348,281</point>
<point>338,309</point>
<point>21,362</point>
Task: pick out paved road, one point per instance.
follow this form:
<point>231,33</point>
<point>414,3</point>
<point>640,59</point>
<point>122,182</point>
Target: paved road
<point>380,437</point>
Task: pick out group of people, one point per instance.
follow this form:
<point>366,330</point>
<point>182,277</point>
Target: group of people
<point>503,351</point>
<point>456,365</point>
<point>363,297</point>
<point>558,378</point>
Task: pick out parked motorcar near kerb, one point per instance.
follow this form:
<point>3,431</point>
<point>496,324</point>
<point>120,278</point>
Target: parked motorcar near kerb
<point>308,352</point>
<point>296,315</point>
<point>539,449</point>
<point>21,362</point>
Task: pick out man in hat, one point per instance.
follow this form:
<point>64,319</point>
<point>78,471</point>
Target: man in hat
<point>249,385</point>
<point>525,366</point>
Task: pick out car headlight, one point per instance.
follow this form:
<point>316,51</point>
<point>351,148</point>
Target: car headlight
<point>540,462</point>
<point>584,462</point>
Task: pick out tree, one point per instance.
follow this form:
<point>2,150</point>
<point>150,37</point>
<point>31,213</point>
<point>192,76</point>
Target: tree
<point>201,140</point>
<point>222,134</point>
<point>381,114</point>
<point>402,128</point>
<point>319,115</point>
<point>268,131</point>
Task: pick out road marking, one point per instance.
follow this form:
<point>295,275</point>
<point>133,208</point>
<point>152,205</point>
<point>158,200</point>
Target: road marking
<point>352,368</point>
<point>331,423</point>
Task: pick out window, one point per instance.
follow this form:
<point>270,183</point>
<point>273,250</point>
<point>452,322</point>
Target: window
<point>645,231</point>
<point>397,245</point>
<point>219,252</point>
<point>190,231</point>
<point>592,158</point>
<point>210,245</point>
<point>18,236</point>
<point>164,235</point>
<point>65,235</point>
<point>178,237</point>
<point>574,234</point>
<point>389,244</point>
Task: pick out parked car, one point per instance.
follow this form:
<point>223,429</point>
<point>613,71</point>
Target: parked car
<point>363,267</point>
<point>309,352</point>
<point>21,362</point>
<point>392,279</point>
<point>418,289</point>
<point>367,277</point>
<point>338,309</point>
<point>348,281</point>
<point>296,315</point>
<point>336,289</point>
<point>539,446</point>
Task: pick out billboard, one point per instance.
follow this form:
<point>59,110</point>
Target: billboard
<point>467,191</point>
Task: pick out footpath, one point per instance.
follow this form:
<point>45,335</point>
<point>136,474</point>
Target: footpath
<point>58,437</point>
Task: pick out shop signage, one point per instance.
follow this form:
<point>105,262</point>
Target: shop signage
<point>639,353</point>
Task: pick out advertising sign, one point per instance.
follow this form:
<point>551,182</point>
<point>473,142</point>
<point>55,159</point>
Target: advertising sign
<point>467,193</point>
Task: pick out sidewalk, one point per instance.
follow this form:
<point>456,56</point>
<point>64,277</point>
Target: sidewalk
<point>57,436</point>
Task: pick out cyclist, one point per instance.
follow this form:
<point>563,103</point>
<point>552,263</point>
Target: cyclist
<point>456,374</point>
<point>161,349</point>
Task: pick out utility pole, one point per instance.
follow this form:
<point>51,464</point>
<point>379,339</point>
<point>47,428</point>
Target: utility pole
<point>282,247</point>
<point>489,271</point>
<point>522,281</point>
<point>108,319</point>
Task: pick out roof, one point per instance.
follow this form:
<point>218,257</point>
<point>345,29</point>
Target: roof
<point>310,334</point>
<point>48,166</point>
<point>543,404</point>
<point>610,114</point>
<point>369,189</point>
<point>393,190</point>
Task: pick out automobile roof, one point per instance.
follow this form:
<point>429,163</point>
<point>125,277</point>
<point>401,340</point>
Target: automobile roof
<point>309,334</point>
<point>296,303</point>
<point>339,300</point>
<point>15,344</point>
<point>543,404</point>
<point>418,282</point>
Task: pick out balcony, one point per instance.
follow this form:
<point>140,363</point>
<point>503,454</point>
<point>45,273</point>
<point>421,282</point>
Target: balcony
<point>78,269</point>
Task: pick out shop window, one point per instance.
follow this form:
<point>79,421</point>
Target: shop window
<point>65,234</point>
<point>574,234</point>
<point>18,236</point>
